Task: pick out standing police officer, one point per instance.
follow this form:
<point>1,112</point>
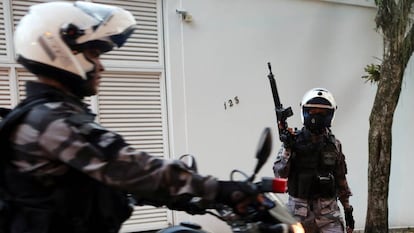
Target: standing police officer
<point>65,172</point>
<point>316,169</point>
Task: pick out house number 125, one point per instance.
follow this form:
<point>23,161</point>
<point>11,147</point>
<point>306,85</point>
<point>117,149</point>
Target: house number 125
<point>231,102</point>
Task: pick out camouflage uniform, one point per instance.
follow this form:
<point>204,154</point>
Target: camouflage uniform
<point>317,214</point>
<point>61,137</point>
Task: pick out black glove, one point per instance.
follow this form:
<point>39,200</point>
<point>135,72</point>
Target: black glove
<point>187,204</point>
<point>349,218</point>
<point>181,203</point>
<point>233,193</point>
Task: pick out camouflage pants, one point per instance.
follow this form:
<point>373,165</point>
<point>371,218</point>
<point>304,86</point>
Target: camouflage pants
<point>321,215</point>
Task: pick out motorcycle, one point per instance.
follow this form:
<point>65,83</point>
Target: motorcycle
<point>267,214</point>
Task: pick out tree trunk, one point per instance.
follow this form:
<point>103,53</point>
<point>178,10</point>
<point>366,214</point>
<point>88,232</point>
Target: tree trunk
<point>393,18</point>
<point>380,142</point>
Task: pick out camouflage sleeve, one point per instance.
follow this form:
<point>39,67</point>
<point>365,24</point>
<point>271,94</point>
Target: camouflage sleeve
<point>281,166</point>
<point>104,155</point>
<point>344,192</point>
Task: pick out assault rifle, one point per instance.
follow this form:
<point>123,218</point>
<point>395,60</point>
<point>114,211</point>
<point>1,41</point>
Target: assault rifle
<point>285,134</point>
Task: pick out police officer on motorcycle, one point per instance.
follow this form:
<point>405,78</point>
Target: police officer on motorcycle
<point>316,169</point>
<point>65,172</point>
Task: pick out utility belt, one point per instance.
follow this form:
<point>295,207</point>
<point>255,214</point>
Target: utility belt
<point>311,186</point>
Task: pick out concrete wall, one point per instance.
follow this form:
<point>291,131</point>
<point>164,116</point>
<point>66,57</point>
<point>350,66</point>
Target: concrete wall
<point>222,54</point>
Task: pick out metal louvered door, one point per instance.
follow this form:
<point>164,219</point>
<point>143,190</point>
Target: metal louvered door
<point>131,103</point>
<point>5,98</point>
<point>3,45</point>
<point>144,45</point>
<point>131,98</point>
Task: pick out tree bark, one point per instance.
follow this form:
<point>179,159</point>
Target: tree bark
<point>398,32</point>
<point>380,143</point>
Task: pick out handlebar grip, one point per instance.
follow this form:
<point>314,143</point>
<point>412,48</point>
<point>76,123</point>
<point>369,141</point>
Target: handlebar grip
<point>274,185</point>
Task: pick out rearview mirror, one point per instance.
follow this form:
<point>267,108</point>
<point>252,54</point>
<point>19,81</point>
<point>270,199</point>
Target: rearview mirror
<point>263,151</point>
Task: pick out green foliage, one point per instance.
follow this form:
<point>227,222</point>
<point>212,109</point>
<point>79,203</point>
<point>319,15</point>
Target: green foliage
<point>377,2</point>
<point>373,73</point>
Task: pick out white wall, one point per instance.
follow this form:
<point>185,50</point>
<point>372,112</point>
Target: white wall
<point>401,188</point>
<point>223,53</point>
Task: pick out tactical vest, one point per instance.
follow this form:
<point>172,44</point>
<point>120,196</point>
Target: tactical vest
<point>71,203</point>
<point>74,203</point>
<point>313,165</point>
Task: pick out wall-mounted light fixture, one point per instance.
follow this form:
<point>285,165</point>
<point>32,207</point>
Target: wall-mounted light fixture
<point>184,15</point>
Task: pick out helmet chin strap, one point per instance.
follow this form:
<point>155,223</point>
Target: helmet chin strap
<point>315,130</point>
<point>87,88</point>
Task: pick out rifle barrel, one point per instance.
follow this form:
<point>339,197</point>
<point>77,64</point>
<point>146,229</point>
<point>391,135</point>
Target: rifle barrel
<point>275,93</point>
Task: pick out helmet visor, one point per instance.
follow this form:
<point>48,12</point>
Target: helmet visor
<point>100,12</point>
<point>119,39</point>
<point>319,111</point>
<point>318,102</point>
<point>107,33</point>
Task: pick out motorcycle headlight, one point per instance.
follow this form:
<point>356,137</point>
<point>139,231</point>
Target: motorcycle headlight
<point>297,228</point>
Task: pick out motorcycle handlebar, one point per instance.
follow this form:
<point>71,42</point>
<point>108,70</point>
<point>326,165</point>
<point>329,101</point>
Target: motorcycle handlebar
<point>272,185</point>
<point>197,205</point>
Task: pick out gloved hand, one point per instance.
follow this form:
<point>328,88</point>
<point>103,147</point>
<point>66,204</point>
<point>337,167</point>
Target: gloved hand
<point>181,203</point>
<point>349,219</point>
<point>236,194</point>
<point>185,203</point>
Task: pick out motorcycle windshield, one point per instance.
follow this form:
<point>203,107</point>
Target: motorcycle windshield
<point>280,211</point>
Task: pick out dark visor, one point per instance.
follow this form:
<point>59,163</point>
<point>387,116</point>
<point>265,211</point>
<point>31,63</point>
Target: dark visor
<point>119,39</point>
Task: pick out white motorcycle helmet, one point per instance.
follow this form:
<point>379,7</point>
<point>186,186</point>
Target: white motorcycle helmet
<point>50,39</point>
<point>322,99</point>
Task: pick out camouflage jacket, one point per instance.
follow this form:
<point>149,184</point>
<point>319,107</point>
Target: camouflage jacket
<point>61,135</point>
<point>283,168</point>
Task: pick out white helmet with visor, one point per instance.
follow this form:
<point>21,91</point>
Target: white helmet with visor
<point>318,108</point>
<point>51,38</point>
